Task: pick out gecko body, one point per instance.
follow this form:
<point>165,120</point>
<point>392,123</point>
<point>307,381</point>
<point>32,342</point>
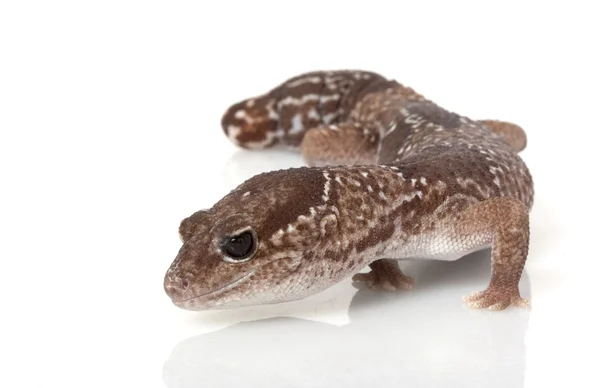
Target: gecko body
<point>390,176</point>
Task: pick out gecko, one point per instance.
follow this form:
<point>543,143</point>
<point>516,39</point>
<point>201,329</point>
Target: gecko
<point>389,176</point>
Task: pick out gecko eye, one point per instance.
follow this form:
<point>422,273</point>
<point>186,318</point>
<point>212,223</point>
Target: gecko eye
<point>238,248</point>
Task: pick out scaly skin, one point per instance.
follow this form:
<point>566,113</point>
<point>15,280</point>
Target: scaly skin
<point>392,176</point>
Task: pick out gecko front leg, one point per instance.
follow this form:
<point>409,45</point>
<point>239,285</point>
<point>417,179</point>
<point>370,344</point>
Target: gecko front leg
<point>512,133</point>
<point>507,221</point>
<point>385,274</point>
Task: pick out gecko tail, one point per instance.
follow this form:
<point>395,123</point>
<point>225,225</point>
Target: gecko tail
<point>252,123</point>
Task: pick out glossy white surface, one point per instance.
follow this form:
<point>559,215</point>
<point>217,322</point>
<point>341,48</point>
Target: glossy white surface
<point>109,120</point>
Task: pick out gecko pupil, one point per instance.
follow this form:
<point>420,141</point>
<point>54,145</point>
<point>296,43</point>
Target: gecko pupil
<point>238,247</point>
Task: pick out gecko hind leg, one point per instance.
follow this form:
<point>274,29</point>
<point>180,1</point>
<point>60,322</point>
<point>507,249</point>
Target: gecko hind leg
<point>385,274</point>
<point>341,144</point>
<point>507,221</point>
<point>513,134</point>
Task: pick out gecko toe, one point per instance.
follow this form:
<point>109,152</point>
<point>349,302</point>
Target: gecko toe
<point>365,278</point>
<point>499,306</point>
<point>385,281</point>
<point>495,299</point>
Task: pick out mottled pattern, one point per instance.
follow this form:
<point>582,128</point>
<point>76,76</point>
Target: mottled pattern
<point>392,176</point>
<point>282,116</point>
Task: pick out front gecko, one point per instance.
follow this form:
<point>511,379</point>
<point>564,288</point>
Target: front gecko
<point>391,176</point>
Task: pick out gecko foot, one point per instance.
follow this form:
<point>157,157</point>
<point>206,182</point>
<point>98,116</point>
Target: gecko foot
<point>386,275</point>
<point>496,298</point>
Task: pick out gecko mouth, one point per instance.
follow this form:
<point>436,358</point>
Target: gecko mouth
<point>201,300</point>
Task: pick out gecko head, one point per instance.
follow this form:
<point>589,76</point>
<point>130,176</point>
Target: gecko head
<point>252,123</point>
<point>253,245</point>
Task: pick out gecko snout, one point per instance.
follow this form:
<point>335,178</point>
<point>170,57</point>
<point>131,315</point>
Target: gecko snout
<point>176,287</point>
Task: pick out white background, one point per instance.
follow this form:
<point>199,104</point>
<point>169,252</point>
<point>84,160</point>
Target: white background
<point>110,135</point>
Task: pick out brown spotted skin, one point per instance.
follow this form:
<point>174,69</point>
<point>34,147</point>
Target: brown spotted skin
<point>282,116</point>
<point>392,176</point>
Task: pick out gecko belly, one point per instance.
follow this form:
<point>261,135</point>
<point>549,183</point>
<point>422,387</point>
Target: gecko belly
<point>444,247</point>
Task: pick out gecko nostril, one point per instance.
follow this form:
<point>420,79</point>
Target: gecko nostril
<point>176,286</point>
